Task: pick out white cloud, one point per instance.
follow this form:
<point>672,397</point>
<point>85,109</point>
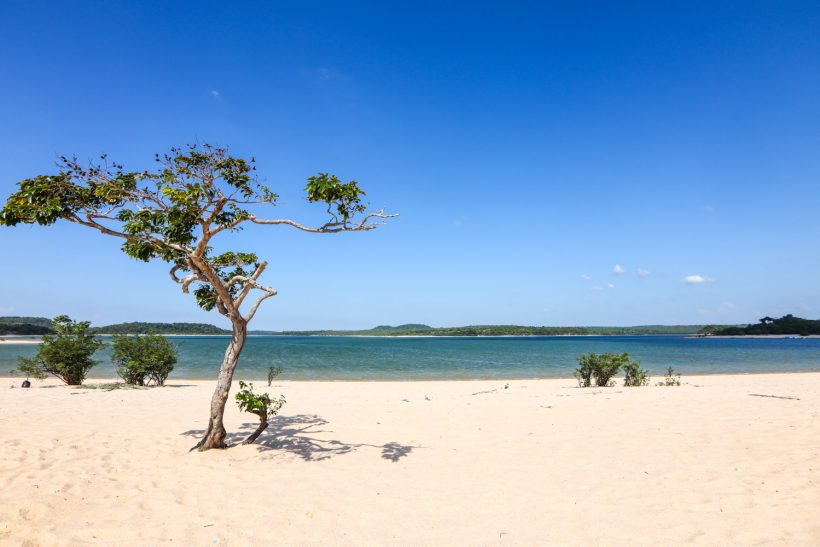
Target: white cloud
<point>696,279</point>
<point>618,269</point>
<point>215,94</point>
<point>606,287</point>
<point>642,272</point>
<point>6,310</point>
<point>585,277</point>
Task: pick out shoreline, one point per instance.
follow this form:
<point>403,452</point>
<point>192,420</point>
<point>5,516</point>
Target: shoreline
<point>173,380</point>
<point>11,340</point>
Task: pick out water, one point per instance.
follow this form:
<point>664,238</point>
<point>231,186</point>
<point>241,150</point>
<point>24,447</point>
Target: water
<point>349,358</point>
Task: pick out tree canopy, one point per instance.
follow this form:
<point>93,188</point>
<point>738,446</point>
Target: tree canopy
<point>172,214</point>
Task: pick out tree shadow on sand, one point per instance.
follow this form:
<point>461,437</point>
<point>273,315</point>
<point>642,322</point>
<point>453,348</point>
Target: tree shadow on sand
<point>297,435</point>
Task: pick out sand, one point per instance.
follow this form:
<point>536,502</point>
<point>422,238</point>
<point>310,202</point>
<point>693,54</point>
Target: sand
<point>12,339</point>
<point>419,463</point>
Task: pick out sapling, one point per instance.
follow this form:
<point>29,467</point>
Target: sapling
<point>671,379</point>
<point>273,372</point>
<point>261,404</point>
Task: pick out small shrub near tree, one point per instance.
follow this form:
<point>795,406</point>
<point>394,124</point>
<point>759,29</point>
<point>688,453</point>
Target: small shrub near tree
<point>599,367</point>
<point>634,375</point>
<point>261,404</point>
<point>273,372</point>
<point>142,360</point>
<point>671,378</point>
<point>65,354</point>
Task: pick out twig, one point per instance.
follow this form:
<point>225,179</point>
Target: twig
<point>774,396</point>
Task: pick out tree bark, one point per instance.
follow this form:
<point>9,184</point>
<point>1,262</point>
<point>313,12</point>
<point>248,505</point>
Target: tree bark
<point>215,434</point>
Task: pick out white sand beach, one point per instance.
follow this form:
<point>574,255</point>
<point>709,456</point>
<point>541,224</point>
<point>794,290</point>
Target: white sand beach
<point>720,460</point>
<point>20,339</point>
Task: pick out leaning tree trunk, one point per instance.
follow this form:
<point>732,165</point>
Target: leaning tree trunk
<point>263,425</point>
<point>215,434</point>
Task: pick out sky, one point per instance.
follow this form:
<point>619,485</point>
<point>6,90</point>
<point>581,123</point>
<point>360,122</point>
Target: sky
<point>553,163</point>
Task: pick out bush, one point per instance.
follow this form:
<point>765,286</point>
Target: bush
<point>263,405</point>
<point>141,360</point>
<point>634,375</point>
<point>66,354</point>
<point>584,371</point>
<point>608,366</point>
<point>671,379</point>
<point>600,367</point>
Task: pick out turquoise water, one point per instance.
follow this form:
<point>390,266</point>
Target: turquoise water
<point>348,358</point>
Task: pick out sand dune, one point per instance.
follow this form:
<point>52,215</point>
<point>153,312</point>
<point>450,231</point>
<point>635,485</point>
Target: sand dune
<point>419,463</point>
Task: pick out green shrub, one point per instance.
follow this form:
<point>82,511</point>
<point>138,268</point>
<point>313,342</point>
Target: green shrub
<point>263,405</point>
<point>599,367</point>
<point>141,360</point>
<point>66,354</point>
<point>584,371</point>
<point>671,379</point>
<point>608,366</point>
<point>634,375</point>
<point>273,372</point>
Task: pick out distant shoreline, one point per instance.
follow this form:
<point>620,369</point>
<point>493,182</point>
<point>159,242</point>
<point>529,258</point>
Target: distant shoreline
<point>760,336</point>
<point>18,339</point>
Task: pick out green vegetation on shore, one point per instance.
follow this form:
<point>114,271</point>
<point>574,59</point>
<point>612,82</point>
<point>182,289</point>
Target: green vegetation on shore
<point>786,325</point>
<point>500,330</point>
<point>26,325</point>
<point>41,325</point>
<point>160,328</point>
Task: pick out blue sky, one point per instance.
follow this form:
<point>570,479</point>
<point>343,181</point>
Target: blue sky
<point>533,149</point>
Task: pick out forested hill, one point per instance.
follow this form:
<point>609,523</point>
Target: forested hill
<point>160,328</point>
<point>786,325</point>
<point>501,330</point>
<point>25,325</point>
<point>41,325</point>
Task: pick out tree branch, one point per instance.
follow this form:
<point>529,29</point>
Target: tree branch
<point>250,283</point>
<point>185,281</point>
<point>330,227</point>
<point>268,293</point>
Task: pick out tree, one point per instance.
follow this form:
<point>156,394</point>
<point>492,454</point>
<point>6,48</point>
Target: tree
<point>143,359</point>
<point>66,354</point>
<point>173,214</point>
